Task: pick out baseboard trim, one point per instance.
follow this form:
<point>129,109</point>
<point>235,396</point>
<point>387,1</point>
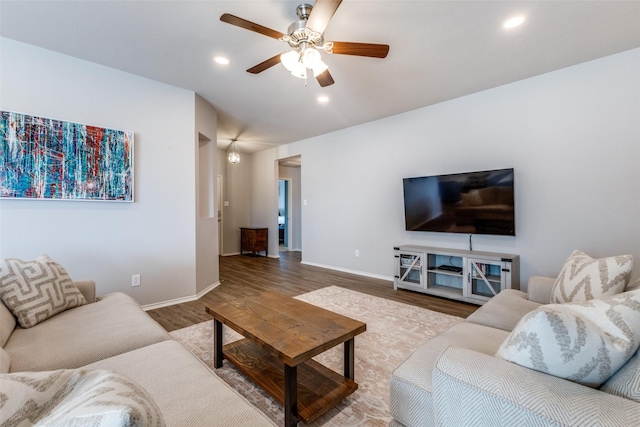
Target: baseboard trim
<point>181,300</point>
<point>347,270</point>
<point>231,254</point>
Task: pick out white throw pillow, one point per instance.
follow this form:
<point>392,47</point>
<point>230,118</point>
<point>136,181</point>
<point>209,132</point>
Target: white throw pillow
<point>583,278</point>
<point>582,342</point>
<point>76,397</point>
<point>35,290</point>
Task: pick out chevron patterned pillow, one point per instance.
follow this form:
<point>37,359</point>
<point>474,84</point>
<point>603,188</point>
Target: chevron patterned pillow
<point>76,397</point>
<point>36,290</point>
<point>583,278</point>
<point>582,342</point>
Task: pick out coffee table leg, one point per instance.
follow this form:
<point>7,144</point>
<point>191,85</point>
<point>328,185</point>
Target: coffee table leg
<point>290,396</point>
<point>349,351</point>
<point>217,343</point>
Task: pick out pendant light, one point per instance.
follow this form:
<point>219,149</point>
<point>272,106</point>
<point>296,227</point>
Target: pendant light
<point>234,156</point>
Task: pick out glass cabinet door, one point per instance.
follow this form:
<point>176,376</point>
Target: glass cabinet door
<point>485,279</point>
<point>410,268</point>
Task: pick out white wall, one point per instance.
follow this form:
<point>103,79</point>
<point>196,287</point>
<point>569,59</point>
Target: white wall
<point>104,241</point>
<point>264,193</point>
<point>207,262</point>
<point>237,192</point>
<point>573,137</point>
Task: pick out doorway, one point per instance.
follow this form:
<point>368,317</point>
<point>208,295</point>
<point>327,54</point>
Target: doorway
<point>290,204</point>
<point>220,188</point>
<point>283,214</point>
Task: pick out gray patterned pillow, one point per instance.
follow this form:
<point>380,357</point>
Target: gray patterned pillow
<point>583,278</point>
<point>75,397</point>
<point>582,342</point>
<point>35,290</point>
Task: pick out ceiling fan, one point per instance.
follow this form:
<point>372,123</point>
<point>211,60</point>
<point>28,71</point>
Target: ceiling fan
<point>305,37</point>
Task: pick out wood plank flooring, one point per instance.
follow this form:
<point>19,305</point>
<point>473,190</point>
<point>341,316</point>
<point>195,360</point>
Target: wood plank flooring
<point>243,275</point>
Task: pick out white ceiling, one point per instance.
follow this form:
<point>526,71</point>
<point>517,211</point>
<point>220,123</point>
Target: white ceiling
<point>439,50</point>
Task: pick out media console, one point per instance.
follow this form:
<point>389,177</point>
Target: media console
<point>470,276</point>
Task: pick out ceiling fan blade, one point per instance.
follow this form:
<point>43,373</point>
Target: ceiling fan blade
<point>325,79</point>
<point>248,25</point>
<point>264,65</point>
<point>321,13</point>
<point>360,49</point>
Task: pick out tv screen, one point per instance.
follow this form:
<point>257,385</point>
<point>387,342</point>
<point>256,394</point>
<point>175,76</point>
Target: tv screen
<point>472,202</point>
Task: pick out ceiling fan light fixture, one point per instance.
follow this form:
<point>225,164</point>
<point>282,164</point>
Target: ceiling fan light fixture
<point>311,57</point>
<point>299,71</point>
<point>290,59</point>
<point>313,60</point>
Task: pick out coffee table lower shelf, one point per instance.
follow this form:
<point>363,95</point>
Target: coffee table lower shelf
<point>319,388</point>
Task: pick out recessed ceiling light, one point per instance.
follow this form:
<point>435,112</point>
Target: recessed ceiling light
<point>513,22</point>
<point>323,99</point>
<point>221,60</point>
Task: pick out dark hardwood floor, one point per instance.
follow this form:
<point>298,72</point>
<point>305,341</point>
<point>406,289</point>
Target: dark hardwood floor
<point>242,275</point>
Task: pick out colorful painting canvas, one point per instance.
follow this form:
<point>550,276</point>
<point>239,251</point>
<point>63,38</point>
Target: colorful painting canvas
<point>42,158</point>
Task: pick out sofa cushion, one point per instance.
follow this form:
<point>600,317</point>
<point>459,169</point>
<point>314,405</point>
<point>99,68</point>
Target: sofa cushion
<point>98,398</point>
<point>583,278</point>
<point>411,401</point>
<point>503,311</point>
<point>35,290</point>
<point>582,342</point>
<point>5,361</point>
<point>187,392</point>
<point>7,323</point>
<point>471,389</point>
<point>626,382</point>
<point>539,289</point>
<point>87,288</point>
<point>633,285</point>
<point>113,325</point>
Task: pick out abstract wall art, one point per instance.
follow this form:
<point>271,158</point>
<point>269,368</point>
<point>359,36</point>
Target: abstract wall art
<point>48,159</point>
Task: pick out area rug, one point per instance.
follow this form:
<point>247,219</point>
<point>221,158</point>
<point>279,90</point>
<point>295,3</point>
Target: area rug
<point>394,331</point>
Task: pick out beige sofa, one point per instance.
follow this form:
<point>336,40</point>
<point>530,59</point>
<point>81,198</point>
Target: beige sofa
<point>112,332</point>
<point>455,379</point>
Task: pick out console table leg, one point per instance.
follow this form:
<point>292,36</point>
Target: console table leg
<point>290,396</point>
<point>217,343</point>
<point>349,364</point>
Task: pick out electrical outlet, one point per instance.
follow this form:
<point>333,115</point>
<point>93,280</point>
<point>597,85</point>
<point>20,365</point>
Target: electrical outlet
<point>135,280</point>
<point>357,253</point>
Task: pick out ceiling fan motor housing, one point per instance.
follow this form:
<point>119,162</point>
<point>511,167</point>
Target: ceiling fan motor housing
<point>303,11</point>
<point>299,33</point>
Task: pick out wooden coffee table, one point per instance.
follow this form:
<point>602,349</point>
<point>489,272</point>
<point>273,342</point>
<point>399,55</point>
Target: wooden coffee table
<point>282,334</point>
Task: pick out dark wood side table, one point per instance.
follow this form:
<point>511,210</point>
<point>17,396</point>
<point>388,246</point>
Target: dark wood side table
<point>254,240</point>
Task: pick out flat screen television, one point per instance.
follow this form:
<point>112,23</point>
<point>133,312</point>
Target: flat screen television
<point>472,202</point>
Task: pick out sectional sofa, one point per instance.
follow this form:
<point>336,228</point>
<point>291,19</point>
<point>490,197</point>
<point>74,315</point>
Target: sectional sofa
<point>456,379</point>
<point>109,343</point>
